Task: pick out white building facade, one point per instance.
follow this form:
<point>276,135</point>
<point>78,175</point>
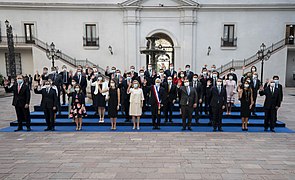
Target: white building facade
<point>91,29</point>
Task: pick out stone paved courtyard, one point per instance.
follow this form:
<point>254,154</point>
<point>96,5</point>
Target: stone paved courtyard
<point>139,155</point>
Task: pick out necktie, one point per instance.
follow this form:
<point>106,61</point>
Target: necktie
<point>48,90</point>
<point>18,89</point>
<point>272,90</point>
<point>188,90</point>
<point>219,90</point>
<point>169,87</point>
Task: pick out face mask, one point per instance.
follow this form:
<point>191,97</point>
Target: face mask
<point>77,89</point>
<point>169,81</point>
<point>171,67</point>
<point>79,73</point>
<point>182,75</point>
<point>113,70</point>
<point>276,81</point>
<point>64,69</point>
<point>132,70</point>
<point>230,78</point>
<point>118,74</point>
<point>213,69</point>
<point>253,69</point>
<point>150,68</point>
<point>96,73</point>
<point>113,84</point>
<point>94,69</point>
<point>195,79</point>
<point>45,72</point>
<point>47,86</point>
<point>232,71</point>
<point>187,69</point>
<point>99,78</point>
<point>158,84</point>
<point>214,75</point>
<point>205,73</point>
<point>249,80</point>
<point>272,84</point>
<point>161,74</point>
<point>254,76</point>
<point>246,85</point>
<point>19,81</point>
<point>141,74</point>
<point>128,78</point>
<point>135,85</point>
<point>73,83</point>
<point>186,83</point>
<point>219,83</point>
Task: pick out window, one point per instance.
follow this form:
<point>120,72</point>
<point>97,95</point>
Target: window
<point>29,32</point>
<point>18,65</point>
<point>91,38</point>
<point>228,39</point>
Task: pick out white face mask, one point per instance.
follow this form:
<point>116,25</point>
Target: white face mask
<point>112,84</point>
<point>219,83</point>
<point>158,84</point>
<point>19,81</point>
<point>171,67</point>
<point>187,69</point>
<point>79,73</point>
<point>272,84</point>
<point>141,74</point>
<point>132,70</point>
<point>99,78</point>
<point>135,85</point>
<point>150,68</point>
<point>181,75</point>
<point>64,69</point>
<point>195,79</point>
<point>128,78</point>
<point>161,74</point>
<point>276,81</point>
<point>232,72</point>
<point>169,81</point>
<point>186,83</point>
<point>77,89</point>
<point>214,75</point>
<point>230,78</point>
<point>249,80</point>
<point>96,73</point>
<point>47,86</point>
<point>205,73</point>
<point>73,83</point>
<point>255,76</point>
<point>246,85</point>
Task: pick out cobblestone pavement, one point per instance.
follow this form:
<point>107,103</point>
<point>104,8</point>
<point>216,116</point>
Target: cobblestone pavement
<point>139,155</point>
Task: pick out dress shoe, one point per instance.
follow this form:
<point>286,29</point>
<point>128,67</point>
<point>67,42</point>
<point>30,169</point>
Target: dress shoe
<point>272,130</point>
<point>18,129</point>
<point>265,130</point>
<point>29,129</point>
<point>183,129</point>
<point>170,121</point>
<point>53,129</point>
<point>165,121</point>
<point>47,129</point>
<point>190,129</point>
<point>154,128</point>
<point>246,129</point>
<point>214,130</point>
<point>220,129</point>
<point>158,128</point>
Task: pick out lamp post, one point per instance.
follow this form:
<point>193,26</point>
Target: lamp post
<point>52,53</point>
<point>261,55</point>
<point>11,54</point>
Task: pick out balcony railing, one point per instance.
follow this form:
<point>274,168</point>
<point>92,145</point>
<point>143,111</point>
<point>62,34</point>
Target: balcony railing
<point>91,41</point>
<point>229,42</point>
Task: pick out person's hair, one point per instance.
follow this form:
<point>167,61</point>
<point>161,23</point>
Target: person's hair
<point>45,68</point>
<point>78,85</point>
<point>136,82</point>
<point>254,67</point>
<point>196,75</point>
<point>187,65</point>
<point>115,81</point>
<point>181,72</point>
<point>275,77</point>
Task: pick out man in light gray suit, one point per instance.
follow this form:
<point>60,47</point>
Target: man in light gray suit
<point>188,101</point>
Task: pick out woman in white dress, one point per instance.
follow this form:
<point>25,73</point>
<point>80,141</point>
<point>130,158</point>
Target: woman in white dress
<point>136,102</point>
<point>231,89</point>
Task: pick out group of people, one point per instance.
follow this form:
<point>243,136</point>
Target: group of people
<point>134,92</point>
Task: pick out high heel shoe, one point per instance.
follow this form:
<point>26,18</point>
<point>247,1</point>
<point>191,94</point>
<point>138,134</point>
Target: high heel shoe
<point>77,128</point>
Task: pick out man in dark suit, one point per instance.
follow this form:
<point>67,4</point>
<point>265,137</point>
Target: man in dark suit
<point>80,78</point>
<point>157,98</point>
<point>199,89</point>
<point>272,103</point>
<point>65,81</point>
<point>133,73</point>
<point>280,87</point>
<point>171,95</point>
<point>255,85</point>
<point>58,82</point>
<point>48,104</point>
<point>218,98</point>
<point>188,73</point>
<point>21,101</point>
<point>188,101</point>
<point>204,80</point>
<point>170,72</point>
<point>125,96</point>
<point>150,75</point>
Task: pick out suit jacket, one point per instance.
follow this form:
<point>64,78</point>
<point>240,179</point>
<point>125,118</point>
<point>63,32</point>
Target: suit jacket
<point>49,100</point>
<point>150,78</point>
<point>22,97</point>
<point>82,82</point>
<point>199,89</point>
<point>255,87</point>
<point>168,73</point>
<point>172,94</point>
<point>272,100</point>
<point>204,85</point>
<point>153,98</point>
<point>189,75</point>
<point>217,100</point>
<point>79,96</point>
<point>187,99</point>
<point>65,77</point>
<point>280,87</point>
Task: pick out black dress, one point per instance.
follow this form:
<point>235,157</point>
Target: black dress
<point>113,103</point>
<point>99,99</point>
<point>245,103</point>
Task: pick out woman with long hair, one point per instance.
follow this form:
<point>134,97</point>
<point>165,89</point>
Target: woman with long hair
<point>113,103</point>
<point>246,97</point>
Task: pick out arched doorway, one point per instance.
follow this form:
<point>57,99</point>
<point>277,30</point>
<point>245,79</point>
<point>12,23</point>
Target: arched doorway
<point>164,42</point>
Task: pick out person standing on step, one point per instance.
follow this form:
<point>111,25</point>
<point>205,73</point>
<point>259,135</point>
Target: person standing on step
<point>65,81</point>
<point>197,85</point>
<point>21,101</point>
<point>188,73</point>
<point>114,103</point>
<point>217,96</point>
<point>100,96</point>
<point>272,103</point>
<point>256,83</point>
<point>231,89</point>
<point>188,101</point>
<point>171,96</point>
<point>69,92</point>
<point>136,102</point>
<point>280,88</point>
<point>125,96</point>
<point>157,99</point>
<point>48,103</point>
<point>245,94</point>
<point>80,78</point>
<point>78,110</point>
